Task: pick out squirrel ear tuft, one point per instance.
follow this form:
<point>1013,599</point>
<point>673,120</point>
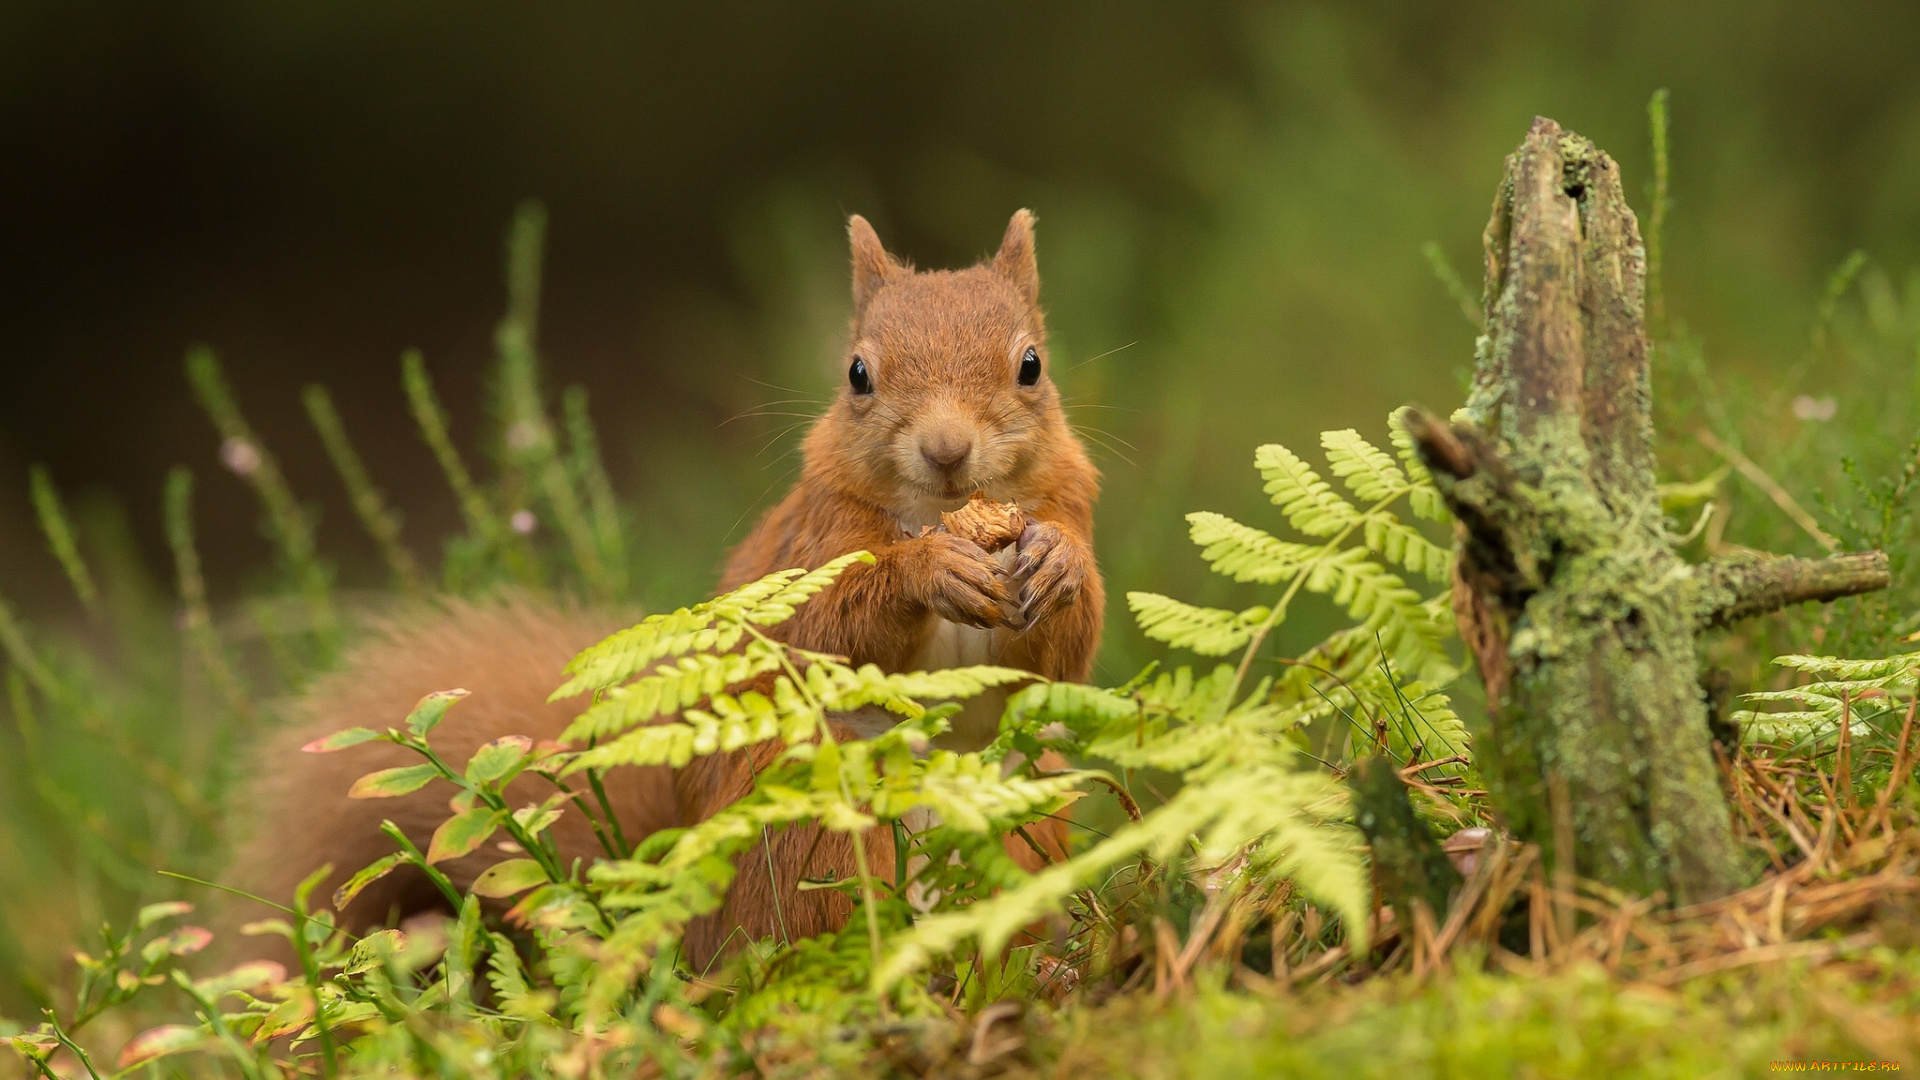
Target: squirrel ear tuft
<point>872,266</point>
<point>1015,259</point>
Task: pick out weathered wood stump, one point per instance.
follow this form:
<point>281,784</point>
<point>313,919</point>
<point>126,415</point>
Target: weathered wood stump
<point>1568,591</point>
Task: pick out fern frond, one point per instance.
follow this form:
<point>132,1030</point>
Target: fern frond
<point>902,692</point>
<point>1190,697</point>
<point>670,687</point>
<point>1249,735</point>
<point>1369,473</point>
<point>1207,631</point>
<point>1403,545</point>
<point>1786,727</point>
<point>968,792</point>
<point>1310,503</point>
<point>631,651</point>
<point>1835,668</point>
<point>1078,707</point>
<point>1245,553</point>
<point>1292,817</point>
<point>1259,806</point>
<point>1380,600</point>
<point>715,626</point>
<point>779,607</point>
<point>729,723</point>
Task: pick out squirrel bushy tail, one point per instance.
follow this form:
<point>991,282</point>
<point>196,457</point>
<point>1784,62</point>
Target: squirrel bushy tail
<point>509,653</point>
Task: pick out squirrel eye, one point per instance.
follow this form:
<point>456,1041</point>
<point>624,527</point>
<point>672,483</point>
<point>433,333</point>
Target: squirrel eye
<point>857,377</point>
<point>1030,367</point>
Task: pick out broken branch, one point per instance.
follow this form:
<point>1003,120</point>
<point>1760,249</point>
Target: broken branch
<point>1745,584</point>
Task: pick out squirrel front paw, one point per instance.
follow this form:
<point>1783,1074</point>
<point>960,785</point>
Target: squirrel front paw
<point>960,581</point>
<point>1049,571</point>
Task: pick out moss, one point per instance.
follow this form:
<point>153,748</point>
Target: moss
<point>1576,1023</point>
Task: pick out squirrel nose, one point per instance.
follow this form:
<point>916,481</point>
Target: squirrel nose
<point>946,454</point>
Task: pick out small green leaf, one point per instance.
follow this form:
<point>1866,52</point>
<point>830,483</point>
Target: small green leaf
<point>536,819</point>
<point>290,1015</point>
<point>156,1043</point>
<point>497,758</point>
<point>388,783</point>
<point>460,834</point>
<point>153,913</point>
<point>372,951</point>
<point>428,713</point>
<point>34,1045</point>
<point>340,740</point>
<point>508,878</point>
<point>368,874</point>
<point>309,883</point>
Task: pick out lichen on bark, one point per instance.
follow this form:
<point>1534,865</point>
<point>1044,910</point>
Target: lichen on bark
<point>1579,612</point>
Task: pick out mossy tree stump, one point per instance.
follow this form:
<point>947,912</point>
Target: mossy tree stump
<point>1568,591</point>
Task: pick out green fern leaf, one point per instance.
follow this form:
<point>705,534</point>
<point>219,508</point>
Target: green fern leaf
<point>780,606</point>
<point>1229,813</point>
<point>1207,631</point>
<point>1245,553</point>
<point>1403,545</point>
<point>968,792</point>
<point>1831,667</point>
<point>1182,694</point>
<point>715,626</point>
<point>633,650</point>
<point>1369,473</point>
<point>1311,505</point>
<point>670,687</point>
<point>729,723</point>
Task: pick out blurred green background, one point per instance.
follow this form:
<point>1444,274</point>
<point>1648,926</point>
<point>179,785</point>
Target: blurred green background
<point>1233,200</point>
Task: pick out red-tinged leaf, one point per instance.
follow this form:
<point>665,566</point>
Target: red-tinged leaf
<point>155,1043</point>
<point>508,878</point>
<point>431,708</point>
<point>461,802</point>
<point>497,758</point>
<point>546,748</point>
<point>460,834</point>
<point>249,976</point>
<point>340,740</point>
<point>188,940</point>
<point>368,874</point>
<point>153,913</point>
<point>35,1044</point>
<point>388,783</point>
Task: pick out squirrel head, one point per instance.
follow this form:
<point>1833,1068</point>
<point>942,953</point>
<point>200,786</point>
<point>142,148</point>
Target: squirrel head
<point>945,388</point>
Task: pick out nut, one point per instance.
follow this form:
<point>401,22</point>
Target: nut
<point>987,523</point>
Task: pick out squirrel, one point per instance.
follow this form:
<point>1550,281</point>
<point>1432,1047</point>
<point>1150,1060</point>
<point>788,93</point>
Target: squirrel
<point>947,394</point>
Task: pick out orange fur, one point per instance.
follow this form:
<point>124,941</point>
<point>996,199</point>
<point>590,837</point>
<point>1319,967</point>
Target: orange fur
<point>947,416</point>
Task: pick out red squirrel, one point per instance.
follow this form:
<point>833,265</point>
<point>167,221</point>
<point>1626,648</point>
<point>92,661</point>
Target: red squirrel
<point>947,393</point>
